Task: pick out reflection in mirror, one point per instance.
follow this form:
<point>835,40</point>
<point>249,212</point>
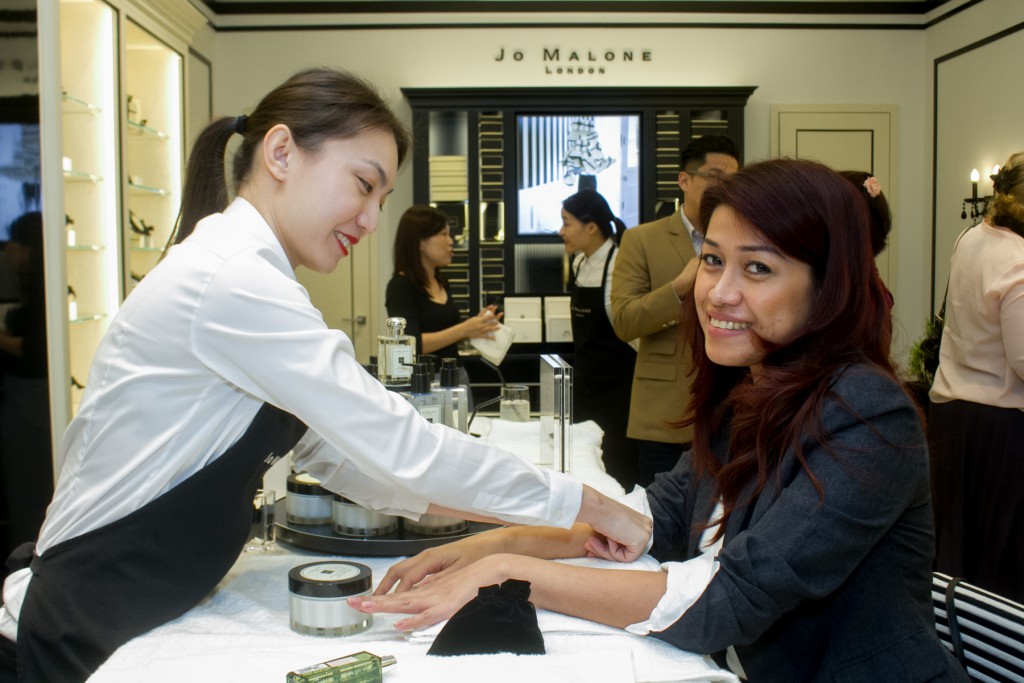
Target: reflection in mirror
<point>560,155</point>
<point>26,471</point>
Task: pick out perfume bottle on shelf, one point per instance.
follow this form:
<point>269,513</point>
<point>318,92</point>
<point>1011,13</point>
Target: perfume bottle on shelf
<point>72,303</point>
<point>396,352</point>
<point>69,223</point>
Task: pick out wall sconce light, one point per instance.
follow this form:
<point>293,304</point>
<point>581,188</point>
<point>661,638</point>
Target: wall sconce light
<point>979,205</point>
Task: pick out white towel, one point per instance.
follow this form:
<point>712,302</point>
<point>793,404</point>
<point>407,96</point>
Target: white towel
<point>654,661</point>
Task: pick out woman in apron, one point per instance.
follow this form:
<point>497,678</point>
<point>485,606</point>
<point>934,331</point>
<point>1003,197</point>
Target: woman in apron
<point>217,365</point>
<point>603,364</point>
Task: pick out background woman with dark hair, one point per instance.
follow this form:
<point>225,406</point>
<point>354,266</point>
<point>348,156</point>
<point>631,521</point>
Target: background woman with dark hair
<point>804,508</point>
<point>602,363</point>
<point>218,365</point>
<point>976,417</point>
<point>418,290</point>
<point>26,456</point>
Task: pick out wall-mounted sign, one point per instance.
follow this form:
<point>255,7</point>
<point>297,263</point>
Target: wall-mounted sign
<point>562,61</point>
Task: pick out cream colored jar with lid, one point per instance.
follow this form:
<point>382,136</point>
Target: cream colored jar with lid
<point>352,519</point>
<point>318,595</point>
<point>308,502</point>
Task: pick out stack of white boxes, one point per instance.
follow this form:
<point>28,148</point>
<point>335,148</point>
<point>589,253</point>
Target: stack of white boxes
<point>557,319</point>
<point>525,315</point>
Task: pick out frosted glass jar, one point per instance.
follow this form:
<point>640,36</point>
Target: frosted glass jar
<point>307,501</point>
<point>318,594</point>
<point>435,525</point>
<point>352,519</point>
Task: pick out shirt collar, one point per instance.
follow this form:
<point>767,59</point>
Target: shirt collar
<point>246,215</point>
<point>600,254</point>
<point>696,237</point>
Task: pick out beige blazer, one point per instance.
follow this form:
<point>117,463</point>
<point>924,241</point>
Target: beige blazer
<point>644,307</point>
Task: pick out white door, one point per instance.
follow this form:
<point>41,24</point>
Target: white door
<point>846,138</point>
<point>344,298</point>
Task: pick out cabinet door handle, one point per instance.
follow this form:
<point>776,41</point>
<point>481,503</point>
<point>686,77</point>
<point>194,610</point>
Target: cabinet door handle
<point>358,320</point>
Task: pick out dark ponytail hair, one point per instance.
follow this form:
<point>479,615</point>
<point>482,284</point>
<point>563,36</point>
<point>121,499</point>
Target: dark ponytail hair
<point>878,208</point>
<point>589,206</point>
<point>317,105</point>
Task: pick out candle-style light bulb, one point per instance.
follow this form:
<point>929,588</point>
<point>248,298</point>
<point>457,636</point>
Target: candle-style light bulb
<point>995,170</point>
<point>975,177</point>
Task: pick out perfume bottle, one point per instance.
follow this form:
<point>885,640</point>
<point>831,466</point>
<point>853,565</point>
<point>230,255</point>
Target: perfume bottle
<point>455,395</point>
<point>396,352</point>
<point>360,667</point>
<point>427,403</point>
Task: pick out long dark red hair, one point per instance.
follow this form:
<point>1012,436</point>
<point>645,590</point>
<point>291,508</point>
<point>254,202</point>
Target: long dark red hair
<point>815,216</point>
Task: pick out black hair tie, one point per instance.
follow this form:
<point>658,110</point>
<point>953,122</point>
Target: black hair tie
<point>240,124</point>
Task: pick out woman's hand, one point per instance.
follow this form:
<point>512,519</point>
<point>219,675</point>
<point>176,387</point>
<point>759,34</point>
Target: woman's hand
<point>433,562</point>
<point>626,531</point>
<point>439,599</point>
<point>483,325</point>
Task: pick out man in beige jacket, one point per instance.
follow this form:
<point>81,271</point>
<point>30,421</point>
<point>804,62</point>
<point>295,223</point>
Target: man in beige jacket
<point>653,278</point>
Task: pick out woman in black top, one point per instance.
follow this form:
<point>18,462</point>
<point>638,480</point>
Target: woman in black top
<point>418,290</point>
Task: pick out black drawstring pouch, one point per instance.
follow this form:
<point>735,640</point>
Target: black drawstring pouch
<point>499,619</point>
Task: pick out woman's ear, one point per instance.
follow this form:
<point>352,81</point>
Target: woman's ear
<point>278,150</point>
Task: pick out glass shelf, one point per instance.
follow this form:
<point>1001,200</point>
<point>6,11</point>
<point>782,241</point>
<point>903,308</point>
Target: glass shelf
<point>145,189</point>
<point>82,177</point>
<point>86,247</point>
<point>146,250</point>
<point>144,132</point>
<point>88,318</point>
<point>75,105</point>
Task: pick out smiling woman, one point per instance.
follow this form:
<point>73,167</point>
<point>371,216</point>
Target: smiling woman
<point>218,365</point>
<point>802,515</point>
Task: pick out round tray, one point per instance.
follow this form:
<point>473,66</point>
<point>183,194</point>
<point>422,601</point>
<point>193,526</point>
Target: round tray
<point>321,537</point>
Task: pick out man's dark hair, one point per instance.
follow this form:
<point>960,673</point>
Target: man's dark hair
<point>695,154</point>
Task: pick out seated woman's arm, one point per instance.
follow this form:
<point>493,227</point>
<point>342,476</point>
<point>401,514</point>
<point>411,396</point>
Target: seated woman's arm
<point>614,597</point>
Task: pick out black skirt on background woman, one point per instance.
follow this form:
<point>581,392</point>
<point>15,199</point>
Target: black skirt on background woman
<point>977,456</point>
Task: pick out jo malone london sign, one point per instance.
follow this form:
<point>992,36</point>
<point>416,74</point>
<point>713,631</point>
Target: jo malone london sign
<point>562,61</point>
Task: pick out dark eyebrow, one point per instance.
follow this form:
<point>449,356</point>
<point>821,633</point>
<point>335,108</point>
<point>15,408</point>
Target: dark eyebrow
<point>752,248</point>
<point>381,174</point>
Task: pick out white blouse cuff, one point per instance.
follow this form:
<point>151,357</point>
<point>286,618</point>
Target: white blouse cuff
<point>686,583</point>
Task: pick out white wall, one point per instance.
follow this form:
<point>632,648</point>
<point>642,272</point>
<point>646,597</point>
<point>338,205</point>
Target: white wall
<point>974,58</point>
<point>788,66</point>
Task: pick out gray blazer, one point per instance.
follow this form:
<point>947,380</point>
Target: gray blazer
<point>811,591</point>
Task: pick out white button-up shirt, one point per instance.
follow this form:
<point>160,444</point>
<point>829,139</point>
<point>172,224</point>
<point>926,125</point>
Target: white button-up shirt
<point>214,331</point>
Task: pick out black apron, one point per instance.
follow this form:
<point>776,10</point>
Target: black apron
<point>91,594</point>
<point>603,377</point>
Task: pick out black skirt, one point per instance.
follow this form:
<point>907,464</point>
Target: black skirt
<point>977,457</point>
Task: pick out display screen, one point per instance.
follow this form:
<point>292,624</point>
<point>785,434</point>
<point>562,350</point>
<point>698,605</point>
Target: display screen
<point>559,155</point>
<point>19,173</point>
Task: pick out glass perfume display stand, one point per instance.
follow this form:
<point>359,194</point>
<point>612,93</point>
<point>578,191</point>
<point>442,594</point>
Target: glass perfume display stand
<point>555,413</point>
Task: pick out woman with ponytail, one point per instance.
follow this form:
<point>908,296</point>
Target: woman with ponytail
<point>217,366</point>
<point>602,363</point>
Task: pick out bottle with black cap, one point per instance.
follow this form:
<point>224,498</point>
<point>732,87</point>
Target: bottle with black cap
<point>427,403</point>
<point>456,397</point>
